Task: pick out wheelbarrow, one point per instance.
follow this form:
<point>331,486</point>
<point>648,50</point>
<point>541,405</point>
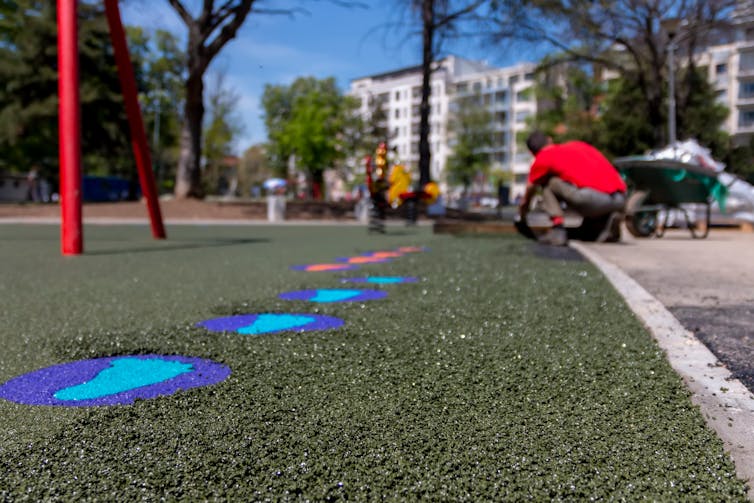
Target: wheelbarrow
<point>658,186</point>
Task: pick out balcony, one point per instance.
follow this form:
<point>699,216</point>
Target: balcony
<point>745,100</point>
<point>745,128</point>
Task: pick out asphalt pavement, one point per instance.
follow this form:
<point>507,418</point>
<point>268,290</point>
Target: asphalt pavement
<point>697,298</point>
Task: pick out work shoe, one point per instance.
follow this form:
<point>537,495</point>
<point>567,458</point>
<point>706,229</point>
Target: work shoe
<point>557,236</point>
<point>611,231</point>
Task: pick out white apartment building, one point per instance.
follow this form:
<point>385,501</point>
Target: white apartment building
<point>730,69</point>
<point>508,92</point>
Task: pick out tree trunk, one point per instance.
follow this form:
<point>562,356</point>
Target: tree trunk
<point>188,176</point>
<point>428,20</point>
<point>318,183</point>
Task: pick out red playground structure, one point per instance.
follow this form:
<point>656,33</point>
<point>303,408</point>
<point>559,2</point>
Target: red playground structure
<point>69,121</point>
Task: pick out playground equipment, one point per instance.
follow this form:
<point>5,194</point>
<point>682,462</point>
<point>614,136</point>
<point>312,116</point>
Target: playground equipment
<point>393,189</point>
<point>69,120</point>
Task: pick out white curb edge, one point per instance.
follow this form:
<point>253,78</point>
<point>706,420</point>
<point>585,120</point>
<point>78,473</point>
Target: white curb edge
<point>726,404</point>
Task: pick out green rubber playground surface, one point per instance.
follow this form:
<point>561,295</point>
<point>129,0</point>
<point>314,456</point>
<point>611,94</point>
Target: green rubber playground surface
<point>499,375</point>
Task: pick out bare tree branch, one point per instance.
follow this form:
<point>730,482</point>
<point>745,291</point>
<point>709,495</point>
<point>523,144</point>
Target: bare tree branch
<point>182,12</point>
<point>450,18</point>
<point>228,31</point>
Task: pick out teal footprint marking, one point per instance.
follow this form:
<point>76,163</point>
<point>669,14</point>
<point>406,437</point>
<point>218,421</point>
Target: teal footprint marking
<point>125,374</point>
<point>274,322</point>
<point>386,280</point>
<point>334,295</point>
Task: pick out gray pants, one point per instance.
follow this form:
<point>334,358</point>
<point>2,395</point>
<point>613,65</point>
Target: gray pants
<point>587,202</point>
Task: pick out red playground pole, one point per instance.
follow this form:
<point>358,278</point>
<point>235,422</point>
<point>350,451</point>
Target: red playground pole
<point>69,125</point>
<point>136,126</point>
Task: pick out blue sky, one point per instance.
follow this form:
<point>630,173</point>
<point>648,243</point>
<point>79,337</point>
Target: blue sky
<point>329,40</point>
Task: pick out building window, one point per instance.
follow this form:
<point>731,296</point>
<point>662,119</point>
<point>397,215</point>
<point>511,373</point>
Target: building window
<point>746,118</point>
<point>746,90</point>
<point>462,88</point>
<point>513,80</point>
<point>397,113</point>
<point>397,95</point>
<point>476,87</point>
<point>721,69</point>
<point>747,61</point>
<point>522,116</point>
<point>529,76</point>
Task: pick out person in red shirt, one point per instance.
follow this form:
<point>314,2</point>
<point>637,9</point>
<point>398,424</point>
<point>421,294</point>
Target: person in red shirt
<point>577,174</point>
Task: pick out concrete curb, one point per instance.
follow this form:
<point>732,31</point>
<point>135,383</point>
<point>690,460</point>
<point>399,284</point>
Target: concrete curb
<point>726,404</point>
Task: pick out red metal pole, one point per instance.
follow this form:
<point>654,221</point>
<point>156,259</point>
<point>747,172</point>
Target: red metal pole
<point>135,123</point>
<point>69,125</point>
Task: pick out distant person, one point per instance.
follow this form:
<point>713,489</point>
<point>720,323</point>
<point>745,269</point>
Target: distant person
<point>503,197</point>
<point>33,192</point>
<point>577,174</point>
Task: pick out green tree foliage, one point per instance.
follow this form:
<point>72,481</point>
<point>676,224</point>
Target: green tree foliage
<point>308,120</point>
<point>626,129</point>
<point>160,68</point>
<point>624,36</point>
<point>567,103</point>
<point>470,127</point>
<point>253,169</point>
<point>28,97</point>
<point>702,116</point>
<point>223,125</point>
<point>740,160</point>
<point>606,114</point>
<point>362,134</point>
<point>623,128</point>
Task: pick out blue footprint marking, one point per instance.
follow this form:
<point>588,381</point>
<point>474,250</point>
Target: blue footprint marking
<point>123,375</point>
<point>113,380</point>
<point>267,323</point>
<point>334,295</point>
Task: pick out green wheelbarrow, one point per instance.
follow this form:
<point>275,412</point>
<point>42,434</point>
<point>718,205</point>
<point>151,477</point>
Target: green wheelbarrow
<point>658,186</point>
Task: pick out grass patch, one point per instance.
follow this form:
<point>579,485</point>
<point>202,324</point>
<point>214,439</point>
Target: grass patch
<point>498,375</point>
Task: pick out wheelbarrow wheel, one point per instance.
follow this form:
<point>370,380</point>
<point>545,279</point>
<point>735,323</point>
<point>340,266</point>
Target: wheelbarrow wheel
<point>640,223</point>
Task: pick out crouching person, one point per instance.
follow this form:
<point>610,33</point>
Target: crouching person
<point>577,174</point>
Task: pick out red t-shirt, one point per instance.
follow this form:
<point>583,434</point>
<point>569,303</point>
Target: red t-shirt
<point>577,163</point>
